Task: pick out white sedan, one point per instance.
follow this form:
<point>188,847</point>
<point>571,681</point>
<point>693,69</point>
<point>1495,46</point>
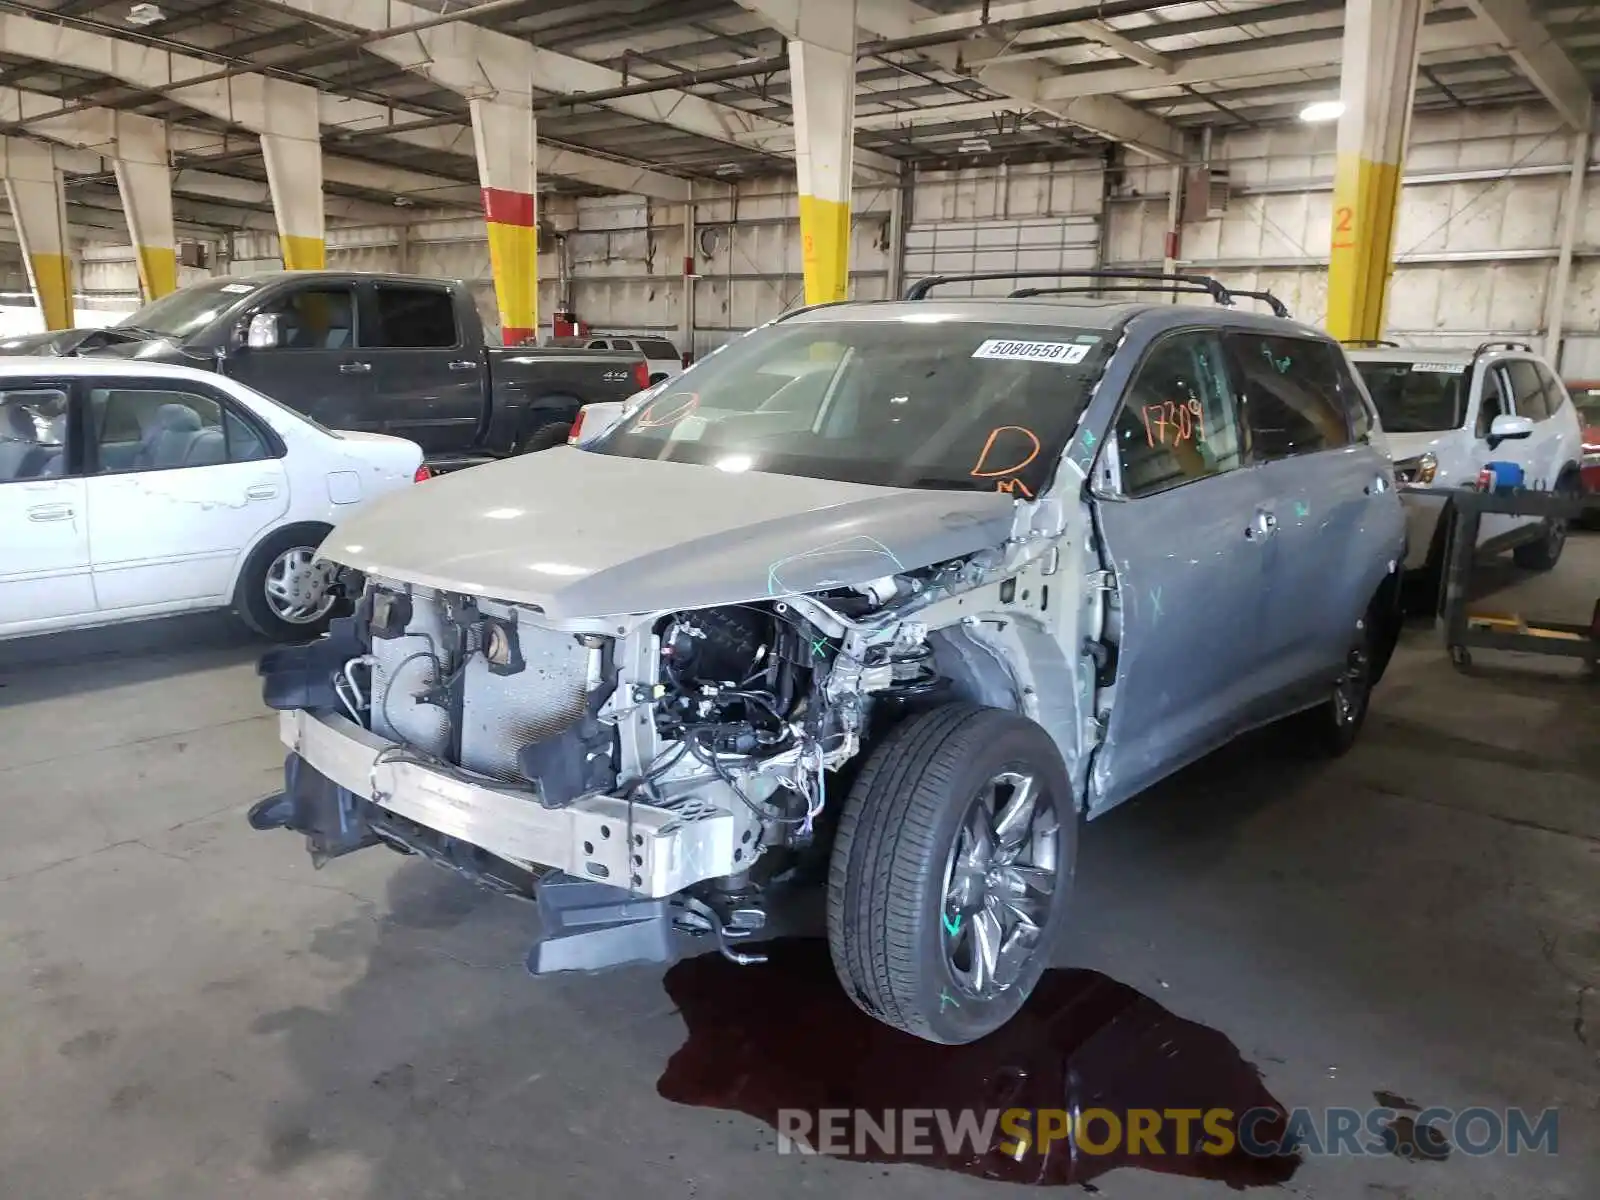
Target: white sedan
<point>132,490</point>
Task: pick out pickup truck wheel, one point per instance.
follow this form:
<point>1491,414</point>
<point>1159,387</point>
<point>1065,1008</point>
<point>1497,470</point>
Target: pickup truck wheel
<point>951,872</point>
<point>283,593</point>
<point>1545,553</point>
<point>544,437</point>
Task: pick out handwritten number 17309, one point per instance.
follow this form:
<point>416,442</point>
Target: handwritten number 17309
<point>1170,423</point>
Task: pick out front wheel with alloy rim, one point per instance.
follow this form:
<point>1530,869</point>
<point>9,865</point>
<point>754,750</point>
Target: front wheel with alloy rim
<point>284,592</point>
<point>951,871</point>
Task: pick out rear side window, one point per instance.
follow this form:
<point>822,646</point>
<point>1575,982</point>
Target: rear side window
<point>415,318</point>
<point>1291,395</point>
<point>1178,422</point>
<point>153,429</point>
<point>657,348</point>
<point>1555,396</point>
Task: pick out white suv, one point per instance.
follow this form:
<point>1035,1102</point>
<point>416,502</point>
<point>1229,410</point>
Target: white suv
<point>1447,413</point>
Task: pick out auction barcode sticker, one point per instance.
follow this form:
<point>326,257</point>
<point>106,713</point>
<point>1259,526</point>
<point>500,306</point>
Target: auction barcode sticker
<point>1440,368</point>
<point>1056,352</point>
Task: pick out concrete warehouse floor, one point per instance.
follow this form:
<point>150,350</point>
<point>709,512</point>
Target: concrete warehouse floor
<point>187,1009</point>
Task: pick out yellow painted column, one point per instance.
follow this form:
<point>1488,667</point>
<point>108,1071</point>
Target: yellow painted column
<point>1376,87</point>
<point>292,151</point>
<point>144,181</point>
<point>39,211</point>
<point>503,134</point>
<point>822,71</point>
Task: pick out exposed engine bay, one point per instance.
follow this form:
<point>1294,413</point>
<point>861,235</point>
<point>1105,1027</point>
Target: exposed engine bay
<point>661,770</point>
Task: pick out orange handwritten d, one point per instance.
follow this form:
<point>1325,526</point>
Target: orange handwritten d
<point>979,468</point>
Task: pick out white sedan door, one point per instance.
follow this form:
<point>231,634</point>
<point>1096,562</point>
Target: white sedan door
<point>182,485</point>
<point>44,532</point>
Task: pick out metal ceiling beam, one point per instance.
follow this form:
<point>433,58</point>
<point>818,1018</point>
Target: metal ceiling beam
<point>475,61</point>
<point>242,98</point>
<point>93,129</point>
<point>1540,58</point>
<point>1111,118</point>
<point>1248,60</point>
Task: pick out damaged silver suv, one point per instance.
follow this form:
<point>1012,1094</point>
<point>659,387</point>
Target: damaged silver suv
<point>902,588</point>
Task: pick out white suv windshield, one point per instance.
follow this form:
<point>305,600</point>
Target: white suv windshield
<point>895,403</point>
<point>1417,397</point>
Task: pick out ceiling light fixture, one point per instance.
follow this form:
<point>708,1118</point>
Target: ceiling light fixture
<point>977,145</point>
<point>1322,110</point>
<point>144,14</point>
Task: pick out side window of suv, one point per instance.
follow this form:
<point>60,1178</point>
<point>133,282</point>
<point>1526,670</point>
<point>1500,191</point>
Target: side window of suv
<point>1527,389</point>
<point>1496,400</point>
<point>1290,394</point>
<point>1555,395</point>
<point>1178,421</point>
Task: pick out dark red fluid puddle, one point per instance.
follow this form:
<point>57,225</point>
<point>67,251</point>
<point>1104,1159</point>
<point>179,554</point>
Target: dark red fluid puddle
<point>783,1036</point>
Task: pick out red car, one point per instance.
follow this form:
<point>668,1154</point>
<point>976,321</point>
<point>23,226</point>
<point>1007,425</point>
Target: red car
<point>1586,396</point>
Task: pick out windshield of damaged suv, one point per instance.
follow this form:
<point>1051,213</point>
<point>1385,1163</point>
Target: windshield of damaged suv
<point>1417,397</point>
<point>898,403</point>
<point>188,310</point>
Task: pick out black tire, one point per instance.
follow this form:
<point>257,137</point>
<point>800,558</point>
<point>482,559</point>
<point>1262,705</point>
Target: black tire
<point>1545,553</point>
<point>250,594</point>
<point>887,923</point>
<point>544,437</point>
<point>1331,728</point>
<point>1424,591</point>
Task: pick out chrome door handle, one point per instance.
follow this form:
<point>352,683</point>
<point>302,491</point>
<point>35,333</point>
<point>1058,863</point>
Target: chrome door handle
<point>463,364</point>
<point>261,491</point>
<point>354,368</point>
<point>50,512</point>
<point>1263,527</point>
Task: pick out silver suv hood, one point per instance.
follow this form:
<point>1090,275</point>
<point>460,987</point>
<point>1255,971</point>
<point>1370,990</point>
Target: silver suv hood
<point>579,534</point>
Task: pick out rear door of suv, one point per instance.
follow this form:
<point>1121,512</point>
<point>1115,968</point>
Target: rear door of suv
<point>1334,524</point>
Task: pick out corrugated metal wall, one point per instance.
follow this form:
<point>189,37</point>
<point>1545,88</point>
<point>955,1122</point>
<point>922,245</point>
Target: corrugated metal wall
<point>1481,220</point>
<point>1037,217</point>
<point>1480,225</point>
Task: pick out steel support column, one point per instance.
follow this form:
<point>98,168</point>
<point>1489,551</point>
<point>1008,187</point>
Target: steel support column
<point>1376,85</point>
<point>144,181</point>
<point>39,212</point>
<point>690,275</point>
<point>292,151</point>
<point>1560,281</point>
<point>822,69</point>
<point>503,132</point>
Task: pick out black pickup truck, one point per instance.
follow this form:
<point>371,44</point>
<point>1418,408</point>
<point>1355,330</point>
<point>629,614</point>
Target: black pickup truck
<point>390,353</point>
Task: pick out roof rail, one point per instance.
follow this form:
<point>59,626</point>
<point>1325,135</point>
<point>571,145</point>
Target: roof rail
<point>1278,307</point>
<point>1486,347</point>
<point>1369,343</point>
<point>920,289</point>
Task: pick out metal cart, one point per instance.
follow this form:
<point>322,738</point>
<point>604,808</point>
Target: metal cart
<point>1466,631</point>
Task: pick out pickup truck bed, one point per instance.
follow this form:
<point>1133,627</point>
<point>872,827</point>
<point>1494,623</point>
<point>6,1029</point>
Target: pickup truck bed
<point>396,354</point>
